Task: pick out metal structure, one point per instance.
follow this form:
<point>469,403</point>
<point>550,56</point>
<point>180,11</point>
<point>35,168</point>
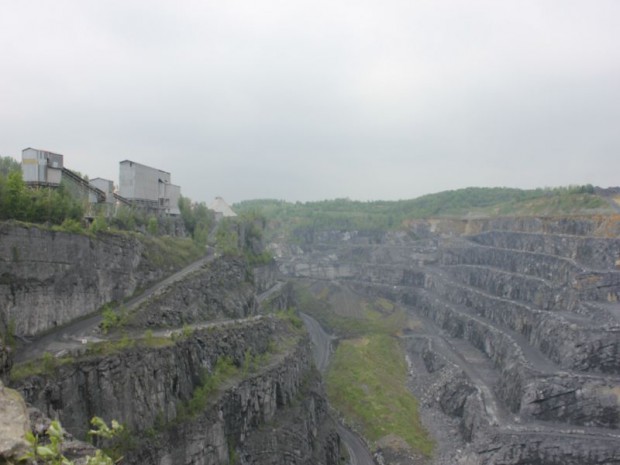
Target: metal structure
<point>41,168</point>
<point>140,186</point>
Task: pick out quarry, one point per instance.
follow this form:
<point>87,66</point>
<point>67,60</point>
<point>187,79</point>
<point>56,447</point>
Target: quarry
<point>509,329</point>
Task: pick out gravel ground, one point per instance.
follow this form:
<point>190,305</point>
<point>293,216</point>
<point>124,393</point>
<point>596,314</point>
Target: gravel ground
<point>449,444</point>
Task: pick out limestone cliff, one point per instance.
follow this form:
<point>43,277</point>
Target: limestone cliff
<point>48,278</point>
<point>149,390</point>
<point>221,289</point>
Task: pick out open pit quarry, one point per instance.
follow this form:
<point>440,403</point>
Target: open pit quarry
<point>515,351</point>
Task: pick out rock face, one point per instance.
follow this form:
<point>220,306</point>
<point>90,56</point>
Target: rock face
<point>519,334</point>
<point>145,389</point>
<point>6,361</point>
<point>14,425</point>
<point>49,278</point>
<point>221,289</point>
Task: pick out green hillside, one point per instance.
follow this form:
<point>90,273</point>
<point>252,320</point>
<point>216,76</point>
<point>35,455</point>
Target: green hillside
<point>472,201</point>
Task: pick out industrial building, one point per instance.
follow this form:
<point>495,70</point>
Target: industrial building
<point>140,186</point>
<point>104,185</point>
<point>149,188</point>
<point>42,168</point>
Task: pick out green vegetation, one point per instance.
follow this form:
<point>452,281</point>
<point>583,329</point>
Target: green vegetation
<point>171,252</point>
<point>210,382</point>
<point>367,382</point>
<point>112,318</point>
<point>47,365</point>
<point>346,214</point>
<point>7,332</point>
<point>224,371</point>
<point>373,317</point>
<point>292,317</point>
<point>197,218</point>
<point>49,450</point>
<point>22,203</point>
<point>64,207</point>
<point>367,377</point>
<point>242,236</point>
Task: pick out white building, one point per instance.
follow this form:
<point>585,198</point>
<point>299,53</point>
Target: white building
<point>149,188</point>
<point>221,209</point>
<point>41,167</point>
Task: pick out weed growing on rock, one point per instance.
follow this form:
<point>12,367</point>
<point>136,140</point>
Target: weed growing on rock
<point>291,316</point>
<point>210,382</point>
<point>252,362</point>
<point>50,452</point>
<point>113,318</point>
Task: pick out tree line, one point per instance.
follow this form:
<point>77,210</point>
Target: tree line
<point>22,203</point>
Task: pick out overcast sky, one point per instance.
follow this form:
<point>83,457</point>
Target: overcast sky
<point>307,100</point>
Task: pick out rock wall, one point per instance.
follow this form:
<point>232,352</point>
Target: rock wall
<point>592,225</point>
<point>221,289</point>
<point>14,425</point>
<point>143,388</point>
<point>48,278</point>
<point>265,276</point>
<point>278,417</point>
<point>593,252</point>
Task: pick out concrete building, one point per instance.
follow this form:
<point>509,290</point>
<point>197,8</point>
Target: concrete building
<point>40,167</point>
<point>148,188</point>
<point>104,185</point>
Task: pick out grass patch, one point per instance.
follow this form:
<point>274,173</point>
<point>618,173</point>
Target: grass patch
<point>377,317</point>
<point>45,365</point>
<point>48,364</point>
<point>366,382</point>
<point>292,317</point>
<point>171,252</point>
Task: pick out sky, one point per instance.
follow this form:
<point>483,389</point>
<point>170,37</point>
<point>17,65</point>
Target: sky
<point>309,100</point>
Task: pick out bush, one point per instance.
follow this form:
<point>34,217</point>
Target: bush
<point>72,226</point>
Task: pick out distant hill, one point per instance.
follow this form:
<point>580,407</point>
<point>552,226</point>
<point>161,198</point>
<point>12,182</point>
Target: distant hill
<point>469,202</point>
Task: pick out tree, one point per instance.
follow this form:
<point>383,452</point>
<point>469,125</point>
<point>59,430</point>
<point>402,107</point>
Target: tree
<point>8,165</point>
<point>15,199</point>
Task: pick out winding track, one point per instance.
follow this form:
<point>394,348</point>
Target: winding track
<point>75,333</point>
<point>321,342</point>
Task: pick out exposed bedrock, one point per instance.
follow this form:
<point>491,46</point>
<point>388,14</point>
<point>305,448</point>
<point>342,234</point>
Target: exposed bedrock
<point>592,252</point>
<point>563,340</point>
<point>519,327</point>
<point>48,278</point>
<point>138,385</point>
<point>454,393</point>
<point>265,276</point>
<point>592,225</point>
<point>256,423</point>
<point>543,449</point>
<point>221,289</point>
<point>6,360</point>
<point>513,286</point>
<point>524,388</point>
<point>554,269</point>
<point>144,388</point>
<point>548,281</point>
